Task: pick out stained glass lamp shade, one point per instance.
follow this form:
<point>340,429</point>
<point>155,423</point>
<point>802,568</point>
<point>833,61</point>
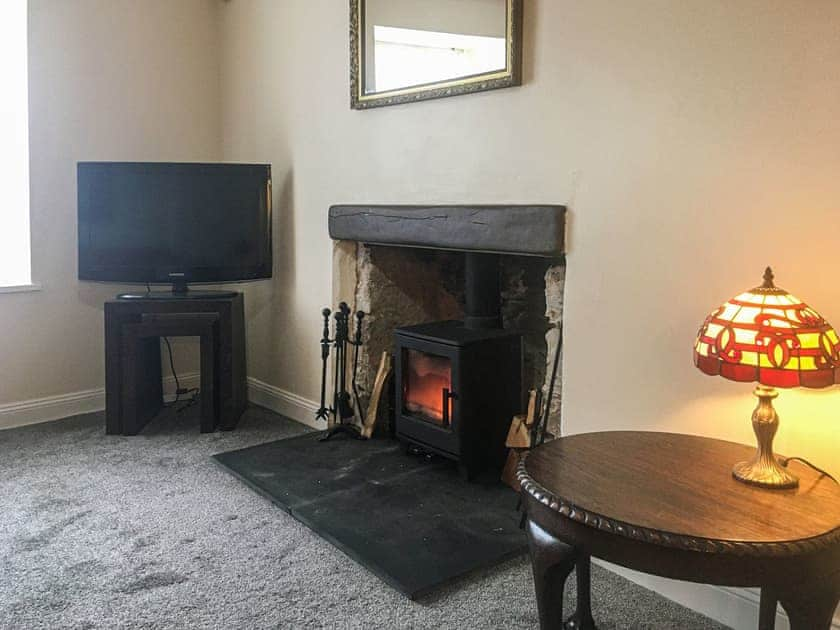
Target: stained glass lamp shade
<point>768,336</point>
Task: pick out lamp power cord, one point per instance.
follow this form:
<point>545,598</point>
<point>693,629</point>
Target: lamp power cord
<point>784,461</point>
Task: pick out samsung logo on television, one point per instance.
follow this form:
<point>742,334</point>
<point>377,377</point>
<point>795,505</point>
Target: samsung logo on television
<point>179,274</point>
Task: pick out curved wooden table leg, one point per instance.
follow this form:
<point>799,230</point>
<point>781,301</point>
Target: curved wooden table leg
<point>582,618</point>
<point>811,606</point>
<point>552,561</point>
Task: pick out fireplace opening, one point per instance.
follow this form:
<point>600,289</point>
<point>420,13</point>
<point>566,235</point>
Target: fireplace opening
<point>468,302</point>
<point>400,287</point>
<point>427,386</point>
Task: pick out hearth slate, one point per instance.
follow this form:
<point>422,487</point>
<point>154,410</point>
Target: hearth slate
<point>411,521</point>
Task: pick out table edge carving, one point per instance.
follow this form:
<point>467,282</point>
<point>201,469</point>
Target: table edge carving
<point>672,540</point>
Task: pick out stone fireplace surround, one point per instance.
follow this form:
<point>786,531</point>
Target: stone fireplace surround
<point>404,265</point>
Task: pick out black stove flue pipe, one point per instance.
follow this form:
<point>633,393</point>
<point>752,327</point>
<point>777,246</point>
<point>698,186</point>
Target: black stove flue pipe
<point>483,297</point>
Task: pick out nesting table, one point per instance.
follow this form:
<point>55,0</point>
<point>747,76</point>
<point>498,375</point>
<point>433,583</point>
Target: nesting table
<point>666,504</point>
<point>133,389</point>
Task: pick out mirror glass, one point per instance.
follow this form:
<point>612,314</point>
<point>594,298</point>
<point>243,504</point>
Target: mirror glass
<point>410,43</point>
<point>407,47</point>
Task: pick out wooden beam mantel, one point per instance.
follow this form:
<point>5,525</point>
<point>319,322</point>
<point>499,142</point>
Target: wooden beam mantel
<point>527,230</point>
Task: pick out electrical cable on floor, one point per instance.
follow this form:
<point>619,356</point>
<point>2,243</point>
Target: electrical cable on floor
<point>784,461</point>
<point>172,367</point>
<point>178,390</point>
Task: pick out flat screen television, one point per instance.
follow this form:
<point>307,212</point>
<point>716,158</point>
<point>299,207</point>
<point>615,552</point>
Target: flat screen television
<point>152,222</point>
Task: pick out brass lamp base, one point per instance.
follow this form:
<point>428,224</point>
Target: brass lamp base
<point>764,469</point>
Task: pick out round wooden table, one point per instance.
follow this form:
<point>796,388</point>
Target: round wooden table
<point>666,504</point>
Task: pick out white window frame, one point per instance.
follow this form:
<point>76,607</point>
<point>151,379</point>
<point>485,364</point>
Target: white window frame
<point>15,241</point>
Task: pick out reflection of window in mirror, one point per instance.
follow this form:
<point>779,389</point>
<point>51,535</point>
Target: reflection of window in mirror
<point>405,57</point>
<point>410,43</point>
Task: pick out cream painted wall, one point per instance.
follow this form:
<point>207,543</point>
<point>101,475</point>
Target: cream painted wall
<point>109,80</point>
<point>694,142</point>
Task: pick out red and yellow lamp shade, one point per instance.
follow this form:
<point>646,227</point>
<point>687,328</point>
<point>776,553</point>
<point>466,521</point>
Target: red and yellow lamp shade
<point>768,336</point>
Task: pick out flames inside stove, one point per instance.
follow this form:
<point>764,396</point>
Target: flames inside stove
<point>428,376</point>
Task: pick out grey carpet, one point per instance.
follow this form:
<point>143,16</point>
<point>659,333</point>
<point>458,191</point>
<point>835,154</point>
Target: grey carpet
<point>147,532</point>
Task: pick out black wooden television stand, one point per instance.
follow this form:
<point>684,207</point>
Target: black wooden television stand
<point>133,386</point>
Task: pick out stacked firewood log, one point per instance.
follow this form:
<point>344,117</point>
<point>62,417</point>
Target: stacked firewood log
<point>524,433</point>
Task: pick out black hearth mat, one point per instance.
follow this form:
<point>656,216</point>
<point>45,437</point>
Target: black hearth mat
<point>409,519</point>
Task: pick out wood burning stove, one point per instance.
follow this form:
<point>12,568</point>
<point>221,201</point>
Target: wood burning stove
<point>458,384</point>
<point>457,390</point>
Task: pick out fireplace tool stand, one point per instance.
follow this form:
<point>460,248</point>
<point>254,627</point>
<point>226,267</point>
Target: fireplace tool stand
<point>346,404</point>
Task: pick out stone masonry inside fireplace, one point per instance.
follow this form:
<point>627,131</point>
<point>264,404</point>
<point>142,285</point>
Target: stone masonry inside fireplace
<point>403,286</point>
<point>468,302</point>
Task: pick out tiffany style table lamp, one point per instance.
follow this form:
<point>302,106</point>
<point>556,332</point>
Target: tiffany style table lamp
<point>768,336</point>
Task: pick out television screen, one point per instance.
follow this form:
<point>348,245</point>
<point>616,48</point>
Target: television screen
<point>163,222</point>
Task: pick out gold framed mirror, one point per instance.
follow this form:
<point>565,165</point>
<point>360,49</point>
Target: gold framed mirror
<point>403,51</point>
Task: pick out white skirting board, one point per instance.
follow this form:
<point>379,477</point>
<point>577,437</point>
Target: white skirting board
<point>285,403</point>
<point>737,608</point>
<point>733,607</point>
<point>49,408</point>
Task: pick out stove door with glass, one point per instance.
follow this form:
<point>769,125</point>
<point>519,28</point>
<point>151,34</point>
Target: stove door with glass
<point>428,379</point>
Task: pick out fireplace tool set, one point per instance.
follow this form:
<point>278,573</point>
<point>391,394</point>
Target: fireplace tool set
<point>346,405</point>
